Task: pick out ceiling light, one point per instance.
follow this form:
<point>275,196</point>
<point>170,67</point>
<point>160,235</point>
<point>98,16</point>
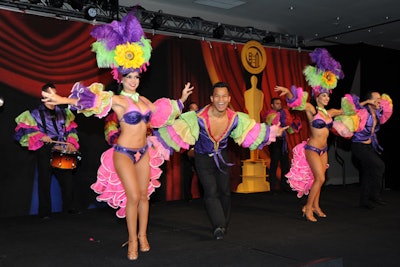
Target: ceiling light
<point>90,12</point>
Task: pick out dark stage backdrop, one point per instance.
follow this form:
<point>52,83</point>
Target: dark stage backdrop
<point>373,68</point>
<point>35,50</point>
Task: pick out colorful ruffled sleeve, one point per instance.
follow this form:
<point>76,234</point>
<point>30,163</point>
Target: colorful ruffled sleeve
<point>295,125</point>
<point>70,129</point>
<point>111,128</point>
<point>27,132</point>
<point>272,117</point>
<point>253,135</point>
<point>182,133</point>
<point>354,117</point>
<point>299,99</point>
<point>167,110</point>
<point>293,122</point>
<point>92,100</point>
<point>387,108</point>
<point>345,125</point>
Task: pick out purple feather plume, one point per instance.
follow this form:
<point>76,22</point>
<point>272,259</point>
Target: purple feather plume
<point>324,62</point>
<point>116,33</point>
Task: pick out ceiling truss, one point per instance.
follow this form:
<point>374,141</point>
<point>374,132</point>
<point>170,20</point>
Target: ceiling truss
<point>156,21</point>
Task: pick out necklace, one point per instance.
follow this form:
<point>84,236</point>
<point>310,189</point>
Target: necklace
<point>323,111</point>
<point>133,96</point>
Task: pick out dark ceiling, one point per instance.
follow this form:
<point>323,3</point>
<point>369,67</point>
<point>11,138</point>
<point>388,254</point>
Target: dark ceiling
<point>318,22</point>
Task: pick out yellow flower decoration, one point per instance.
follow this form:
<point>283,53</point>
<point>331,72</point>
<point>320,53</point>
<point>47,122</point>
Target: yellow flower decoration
<point>329,79</point>
<point>129,55</point>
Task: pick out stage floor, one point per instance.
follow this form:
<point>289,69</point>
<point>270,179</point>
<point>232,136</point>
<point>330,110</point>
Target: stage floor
<point>265,230</point>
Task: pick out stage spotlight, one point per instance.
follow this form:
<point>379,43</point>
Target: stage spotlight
<point>219,32</point>
<point>157,21</point>
<point>90,12</point>
<point>76,4</point>
<point>56,3</point>
<point>269,38</point>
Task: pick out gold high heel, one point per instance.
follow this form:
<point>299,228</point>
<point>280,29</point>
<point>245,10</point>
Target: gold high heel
<point>319,213</point>
<point>143,243</point>
<point>132,254</point>
<point>308,217</point>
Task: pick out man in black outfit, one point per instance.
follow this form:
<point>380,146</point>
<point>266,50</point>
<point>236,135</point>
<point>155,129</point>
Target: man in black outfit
<point>218,123</point>
<point>50,131</point>
<point>278,150</point>
<point>367,151</point>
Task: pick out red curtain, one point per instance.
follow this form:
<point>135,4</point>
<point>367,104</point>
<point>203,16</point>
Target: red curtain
<point>36,50</point>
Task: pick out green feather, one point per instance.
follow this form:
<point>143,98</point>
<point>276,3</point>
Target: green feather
<point>104,57</point>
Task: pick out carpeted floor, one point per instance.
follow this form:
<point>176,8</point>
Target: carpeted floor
<point>265,230</point>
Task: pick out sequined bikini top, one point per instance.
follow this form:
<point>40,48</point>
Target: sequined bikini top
<point>319,122</point>
<point>134,116</point>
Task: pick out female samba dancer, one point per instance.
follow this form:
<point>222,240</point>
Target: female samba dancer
<point>129,170</point>
<point>310,158</point>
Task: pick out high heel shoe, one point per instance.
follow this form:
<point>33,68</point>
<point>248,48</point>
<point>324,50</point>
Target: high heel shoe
<point>319,213</point>
<point>309,217</point>
<point>133,253</point>
<point>143,243</point>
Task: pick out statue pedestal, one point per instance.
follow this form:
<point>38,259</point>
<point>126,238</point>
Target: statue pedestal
<point>253,177</point>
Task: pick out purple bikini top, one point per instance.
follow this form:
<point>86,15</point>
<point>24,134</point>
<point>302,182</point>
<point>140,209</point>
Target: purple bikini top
<point>319,122</point>
<point>134,116</point>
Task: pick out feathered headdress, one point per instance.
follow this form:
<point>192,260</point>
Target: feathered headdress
<point>121,46</point>
<point>324,75</point>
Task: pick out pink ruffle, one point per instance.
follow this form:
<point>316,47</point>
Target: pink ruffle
<point>251,136</point>
<point>339,128</point>
<point>176,138</point>
<point>349,98</point>
<point>162,113</point>
<point>73,141</point>
<point>387,111</point>
<point>273,131</point>
<point>363,115</point>
<point>71,125</point>
<point>300,177</point>
<point>298,101</point>
<point>109,186</point>
<point>35,141</point>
